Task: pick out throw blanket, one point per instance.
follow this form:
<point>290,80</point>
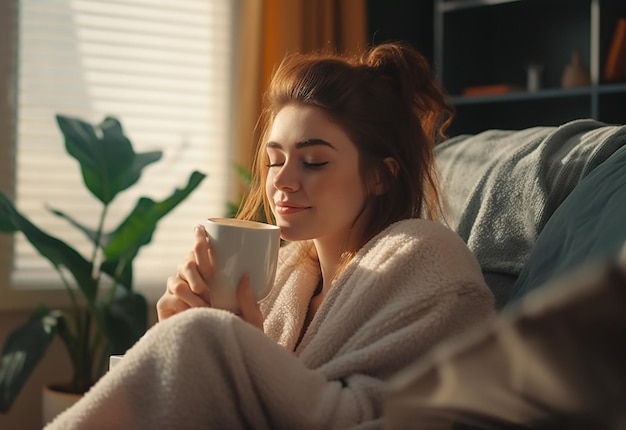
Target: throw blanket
<point>502,186</point>
<point>407,289</point>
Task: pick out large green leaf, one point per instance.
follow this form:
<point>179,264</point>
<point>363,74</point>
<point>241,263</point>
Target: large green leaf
<point>23,350</point>
<point>108,162</point>
<point>137,229</point>
<point>6,224</point>
<point>125,320</point>
<point>89,232</point>
<point>55,250</point>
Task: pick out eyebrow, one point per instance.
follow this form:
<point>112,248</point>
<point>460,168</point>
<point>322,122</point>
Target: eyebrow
<point>302,144</point>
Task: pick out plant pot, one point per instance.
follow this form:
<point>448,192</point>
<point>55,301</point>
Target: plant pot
<point>55,401</point>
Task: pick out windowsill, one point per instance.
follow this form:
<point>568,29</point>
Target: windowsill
<point>52,296</point>
<point>26,299</point>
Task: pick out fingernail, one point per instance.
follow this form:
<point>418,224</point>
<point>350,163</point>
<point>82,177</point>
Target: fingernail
<point>197,227</point>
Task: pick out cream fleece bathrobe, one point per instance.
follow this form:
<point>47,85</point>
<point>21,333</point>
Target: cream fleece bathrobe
<point>408,288</point>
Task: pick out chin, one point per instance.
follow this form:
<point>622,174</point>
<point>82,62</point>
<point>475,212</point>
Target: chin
<point>290,233</point>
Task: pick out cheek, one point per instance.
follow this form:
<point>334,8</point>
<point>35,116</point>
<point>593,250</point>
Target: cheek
<point>356,195</point>
<point>347,190</point>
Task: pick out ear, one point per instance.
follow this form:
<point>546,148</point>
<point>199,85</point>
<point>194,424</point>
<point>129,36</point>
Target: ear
<point>380,186</point>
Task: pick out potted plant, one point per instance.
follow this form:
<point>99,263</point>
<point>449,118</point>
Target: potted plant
<point>105,315</point>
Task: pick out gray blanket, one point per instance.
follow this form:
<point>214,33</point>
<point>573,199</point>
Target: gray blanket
<point>501,187</point>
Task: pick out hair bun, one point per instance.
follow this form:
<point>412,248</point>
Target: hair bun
<point>410,74</point>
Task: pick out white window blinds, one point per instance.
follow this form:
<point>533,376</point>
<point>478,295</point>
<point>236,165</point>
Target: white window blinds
<point>163,68</point>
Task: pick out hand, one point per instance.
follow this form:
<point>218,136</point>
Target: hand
<point>191,285</point>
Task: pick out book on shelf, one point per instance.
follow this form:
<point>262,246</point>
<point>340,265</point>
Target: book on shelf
<point>615,65</point>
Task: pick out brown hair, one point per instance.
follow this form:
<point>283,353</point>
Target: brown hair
<point>388,103</point>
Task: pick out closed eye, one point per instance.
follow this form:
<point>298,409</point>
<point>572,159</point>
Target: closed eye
<point>315,165</point>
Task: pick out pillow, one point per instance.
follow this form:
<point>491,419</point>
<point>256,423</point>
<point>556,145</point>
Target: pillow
<point>502,186</point>
<point>589,225</point>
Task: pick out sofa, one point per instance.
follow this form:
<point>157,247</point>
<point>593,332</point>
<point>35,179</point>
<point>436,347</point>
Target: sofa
<point>544,211</point>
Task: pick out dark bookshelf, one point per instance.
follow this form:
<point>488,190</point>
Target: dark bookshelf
<point>491,42</point>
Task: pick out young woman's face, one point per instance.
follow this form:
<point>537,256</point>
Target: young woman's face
<point>313,183</point>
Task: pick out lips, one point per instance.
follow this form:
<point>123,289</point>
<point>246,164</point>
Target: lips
<point>287,208</point>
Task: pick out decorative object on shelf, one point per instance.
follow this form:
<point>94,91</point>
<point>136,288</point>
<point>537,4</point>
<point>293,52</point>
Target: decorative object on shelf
<point>490,90</point>
<point>533,77</point>
<point>615,66</point>
<point>105,316</point>
<point>576,73</point>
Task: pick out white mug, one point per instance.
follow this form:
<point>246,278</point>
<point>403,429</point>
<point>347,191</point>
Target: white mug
<point>242,247</point>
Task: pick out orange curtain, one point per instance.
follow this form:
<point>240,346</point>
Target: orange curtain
<point>309,25</point>
<point>269,29</point>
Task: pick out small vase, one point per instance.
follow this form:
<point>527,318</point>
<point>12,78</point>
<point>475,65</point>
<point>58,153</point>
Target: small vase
<point>576,74</point>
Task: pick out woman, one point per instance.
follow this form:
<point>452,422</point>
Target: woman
<point>366,283</point>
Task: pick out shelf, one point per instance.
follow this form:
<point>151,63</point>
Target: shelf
<point>549,93</point>
<point>523,95</point>
<point>612,88</point>
<point>490,43</point>
<point>448,6</point>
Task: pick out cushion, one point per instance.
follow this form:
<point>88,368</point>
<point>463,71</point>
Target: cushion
<point>589,225</point>
<point>502,186</point>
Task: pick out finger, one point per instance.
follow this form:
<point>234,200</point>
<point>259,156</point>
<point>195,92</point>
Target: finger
<point>248,306</point>
<point>181,288</point>
<point>168,306</point>
<point>201,252</point>
<point>189,272</point>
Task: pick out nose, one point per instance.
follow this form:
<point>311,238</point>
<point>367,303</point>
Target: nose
<point>286,177</point>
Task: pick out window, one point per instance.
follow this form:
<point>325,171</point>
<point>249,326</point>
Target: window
<point>163,68</point>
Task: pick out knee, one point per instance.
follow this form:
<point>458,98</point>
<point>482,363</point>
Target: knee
<point>203,324</point>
